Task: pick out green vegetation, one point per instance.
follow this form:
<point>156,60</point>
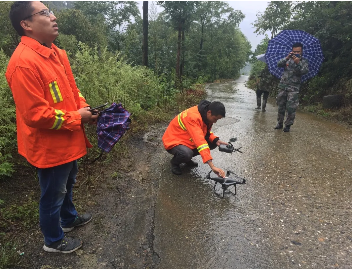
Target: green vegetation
<point>7,122</point>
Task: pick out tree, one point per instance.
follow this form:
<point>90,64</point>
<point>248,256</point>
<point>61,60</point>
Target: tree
<point>180,14</point>
<point>208,16</point>
<point>145,33</point>
<point>115,15</point>
<point>74,22</point>
<point>276,16</point>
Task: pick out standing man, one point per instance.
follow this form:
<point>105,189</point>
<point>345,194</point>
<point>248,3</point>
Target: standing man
<point>50,113</point>
<point>189,134</point>
<point>264,85</point>
<point>295,67</point>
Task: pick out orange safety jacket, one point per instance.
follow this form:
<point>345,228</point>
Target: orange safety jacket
<point>189,129</point>
<point>49,127</point>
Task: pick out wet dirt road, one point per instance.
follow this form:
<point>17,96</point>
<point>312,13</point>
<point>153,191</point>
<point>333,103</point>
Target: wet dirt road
<point>294,211</point>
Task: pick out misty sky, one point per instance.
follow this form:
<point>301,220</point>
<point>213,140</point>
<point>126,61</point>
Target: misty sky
<point>249,9</point>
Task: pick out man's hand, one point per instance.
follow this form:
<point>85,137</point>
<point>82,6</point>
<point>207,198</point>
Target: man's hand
<point>289,56</point>
<point>219,142</point>
<point>216,170</point>
<point>295,59</point>
<point>87,115</point>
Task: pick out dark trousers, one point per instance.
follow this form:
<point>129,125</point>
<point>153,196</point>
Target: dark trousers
<point>265,94</point>
<point>183,154</point>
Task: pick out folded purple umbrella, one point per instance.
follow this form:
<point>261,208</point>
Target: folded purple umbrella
<point>113,122</point>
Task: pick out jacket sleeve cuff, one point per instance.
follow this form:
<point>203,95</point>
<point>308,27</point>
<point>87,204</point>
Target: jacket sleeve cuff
<point>216,140</point>
<point>73,121</point>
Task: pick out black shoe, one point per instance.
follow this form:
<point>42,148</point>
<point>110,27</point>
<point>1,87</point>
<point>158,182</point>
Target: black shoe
<point>287,128</point>
<point>175,169</point>
<point>278,126</point>
<point>258,107</point>
<point>65,245</point>
<point>192,164</point>
<point>79,221</point>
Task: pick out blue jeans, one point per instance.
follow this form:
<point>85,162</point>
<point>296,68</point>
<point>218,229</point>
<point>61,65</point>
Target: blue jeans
<point>56,185</point>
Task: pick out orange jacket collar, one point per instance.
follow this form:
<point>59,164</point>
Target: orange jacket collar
<point>36,46</point>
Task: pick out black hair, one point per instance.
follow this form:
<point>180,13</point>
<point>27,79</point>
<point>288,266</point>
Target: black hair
<point>297,44</point>
<point>217,108</point>
<point>19,11</point>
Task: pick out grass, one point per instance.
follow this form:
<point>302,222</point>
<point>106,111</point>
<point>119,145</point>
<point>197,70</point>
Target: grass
<point>343,115</point>
<point>8,254</point>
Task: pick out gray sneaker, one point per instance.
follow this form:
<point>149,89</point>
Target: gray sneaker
<point>65,245</point>
<point>79,221</point>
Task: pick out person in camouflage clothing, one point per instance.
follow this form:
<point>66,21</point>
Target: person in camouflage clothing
<point>264,85</point>
<point>287,99</point>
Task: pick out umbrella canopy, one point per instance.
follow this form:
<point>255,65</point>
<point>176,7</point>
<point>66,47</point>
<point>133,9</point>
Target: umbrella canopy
<point>261,57</point>
<point>281,45</point>
<point>113,122</point>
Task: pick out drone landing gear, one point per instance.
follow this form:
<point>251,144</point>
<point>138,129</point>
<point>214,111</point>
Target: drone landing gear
<point>227,182</point>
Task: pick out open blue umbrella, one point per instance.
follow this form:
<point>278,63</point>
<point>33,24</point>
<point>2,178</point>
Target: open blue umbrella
<point>281,45</point>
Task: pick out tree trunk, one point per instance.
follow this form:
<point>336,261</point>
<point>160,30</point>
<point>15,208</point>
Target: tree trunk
<point>201,37</point>
<point>145,33</point>
<point>183,53</point>
<point>178,73</point>
<point>200,54</point>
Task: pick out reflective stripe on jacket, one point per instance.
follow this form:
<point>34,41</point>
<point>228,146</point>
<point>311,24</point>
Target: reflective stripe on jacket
<point>49,128</point>
<point>188,129</point>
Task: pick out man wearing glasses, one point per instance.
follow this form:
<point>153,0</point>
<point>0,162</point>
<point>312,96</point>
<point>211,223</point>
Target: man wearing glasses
<point>50,113</point>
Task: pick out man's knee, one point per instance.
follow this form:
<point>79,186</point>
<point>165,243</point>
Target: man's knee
<point>181,153</point>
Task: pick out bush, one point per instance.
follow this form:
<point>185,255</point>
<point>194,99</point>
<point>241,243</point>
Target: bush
<point>105,77</point>
<point>7,122</point>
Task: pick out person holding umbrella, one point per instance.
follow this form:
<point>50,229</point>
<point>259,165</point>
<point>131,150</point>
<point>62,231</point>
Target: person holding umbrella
<point>295,66</point>
<point>292,69</point>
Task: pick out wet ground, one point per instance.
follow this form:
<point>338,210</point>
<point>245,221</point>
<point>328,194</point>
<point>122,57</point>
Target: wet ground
<point>294,211</point>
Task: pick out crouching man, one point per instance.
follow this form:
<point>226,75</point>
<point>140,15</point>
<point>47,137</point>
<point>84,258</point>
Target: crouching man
<point>189,134</point>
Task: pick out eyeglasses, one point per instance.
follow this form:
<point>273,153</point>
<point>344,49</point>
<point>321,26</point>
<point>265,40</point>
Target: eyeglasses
<point>45,12</point>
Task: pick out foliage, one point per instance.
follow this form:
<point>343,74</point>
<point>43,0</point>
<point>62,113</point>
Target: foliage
<point>106,77</point>
<point>112,13</point>
<point>73,22</point>
<point>8,254</point>
<point>25,212</point>
<point>7,121</point>
<point>275,18</point>
<point>8,36</point>
<point>110,17</point>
